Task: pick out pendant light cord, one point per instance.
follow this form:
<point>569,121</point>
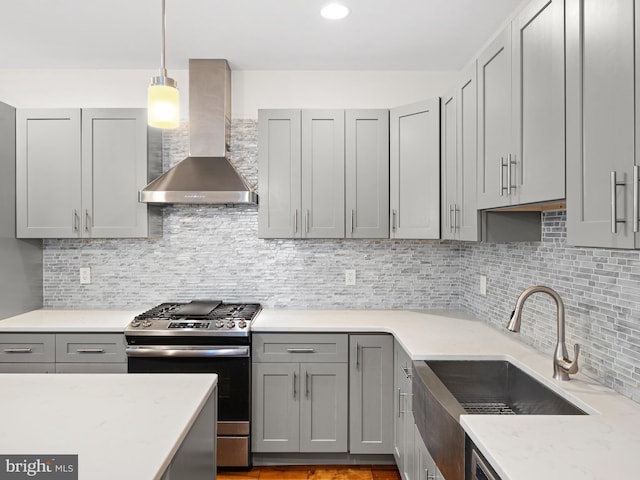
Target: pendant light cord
<point>163,53</point>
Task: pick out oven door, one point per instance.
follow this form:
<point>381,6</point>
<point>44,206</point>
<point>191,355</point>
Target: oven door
<point>232,364</point>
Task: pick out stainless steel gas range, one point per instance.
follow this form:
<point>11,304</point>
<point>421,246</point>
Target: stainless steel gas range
<point>203,337</point>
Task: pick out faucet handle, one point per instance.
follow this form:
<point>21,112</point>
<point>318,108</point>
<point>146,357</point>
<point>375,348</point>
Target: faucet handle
<point>571,367</point>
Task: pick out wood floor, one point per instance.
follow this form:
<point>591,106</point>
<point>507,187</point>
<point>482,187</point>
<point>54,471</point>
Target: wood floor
<point>314,472</point>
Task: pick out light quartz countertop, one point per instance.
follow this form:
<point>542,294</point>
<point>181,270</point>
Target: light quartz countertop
<point>52,320</point>
<point>120,426</point>
<point>602,445</point>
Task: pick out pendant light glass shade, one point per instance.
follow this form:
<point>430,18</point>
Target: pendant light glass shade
<point>163,105</point>
<point>163,98</point>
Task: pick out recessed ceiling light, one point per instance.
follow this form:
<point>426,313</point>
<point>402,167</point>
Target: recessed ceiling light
<point>334,11</point>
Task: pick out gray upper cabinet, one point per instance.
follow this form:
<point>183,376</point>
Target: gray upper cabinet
<point>459,148</point>
<point>414,140</point>
<point>494,125</point>
<point>538,102</point>
<point>323,173</point>
<point>521,115</point>
<point>602,133</point>
<point>279,173</point>
<point>367,173</point>
<point>78,173</point>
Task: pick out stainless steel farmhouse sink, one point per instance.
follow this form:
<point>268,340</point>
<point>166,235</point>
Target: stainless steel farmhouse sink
<point>445,389</point>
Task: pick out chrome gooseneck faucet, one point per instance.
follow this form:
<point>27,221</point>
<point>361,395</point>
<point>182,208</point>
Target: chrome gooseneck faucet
<point>562,366</point>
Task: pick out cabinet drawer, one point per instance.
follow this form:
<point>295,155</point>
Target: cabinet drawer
<point>27,367</point>
<point>300,347</point>
<point>90,348</point>
<point>27,347</point>
<point>91,368</point>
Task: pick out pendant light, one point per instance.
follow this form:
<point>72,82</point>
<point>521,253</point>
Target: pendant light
<point>163,99</point>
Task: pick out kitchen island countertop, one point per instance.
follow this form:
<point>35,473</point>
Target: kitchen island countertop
<point>120,426</point>
<point>599,446</point>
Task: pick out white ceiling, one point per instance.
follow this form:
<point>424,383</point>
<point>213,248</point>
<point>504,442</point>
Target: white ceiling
<point>251,34</point>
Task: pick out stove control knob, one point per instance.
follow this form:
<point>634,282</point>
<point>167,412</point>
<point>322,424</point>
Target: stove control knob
<point>147,323</point>
<point>219,324</point>
<point>231,324</point>
<point>242,324</point>
<point>135,323</point>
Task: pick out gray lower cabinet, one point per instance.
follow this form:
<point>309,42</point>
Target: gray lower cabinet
<point>414,139</point>
<point>371,394</point>
<point>323,173</point>
<point>521,113</point>
<point>602,127</point>
<point>62,353</point>
<point>78,173</point>
<point>403,449</point>
<point>300,393</point>
<point>425,466</point>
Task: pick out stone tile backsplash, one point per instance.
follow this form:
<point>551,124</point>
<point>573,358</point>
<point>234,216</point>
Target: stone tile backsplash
<point>214,252</point>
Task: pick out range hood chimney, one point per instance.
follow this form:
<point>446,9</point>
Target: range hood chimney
<point>205,176</point>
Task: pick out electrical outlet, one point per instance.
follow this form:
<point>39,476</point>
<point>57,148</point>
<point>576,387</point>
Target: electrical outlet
<point>349,277</point>
<point>483,285</point>
<point>85,275</point>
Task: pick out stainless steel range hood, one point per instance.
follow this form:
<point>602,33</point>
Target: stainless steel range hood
<point>205,176</point>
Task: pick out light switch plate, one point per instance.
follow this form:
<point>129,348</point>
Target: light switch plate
<point>349,277</point>
<point>483,285</point>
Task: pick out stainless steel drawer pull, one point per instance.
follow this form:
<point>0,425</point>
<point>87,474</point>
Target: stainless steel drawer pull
<point>406,372</point>
<point>18,350</point>
<point>90,350</point>
<point>86,220</point>
<point>306,384</point>
<point>352,220</point>
<point>76,221</point>
<point>301,350</point>
<point>614,202</point>
<point>399,402</point>
<point>394,214</point>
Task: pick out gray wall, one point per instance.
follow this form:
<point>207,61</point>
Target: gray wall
<point>20,260</point>
<point>214,252</point>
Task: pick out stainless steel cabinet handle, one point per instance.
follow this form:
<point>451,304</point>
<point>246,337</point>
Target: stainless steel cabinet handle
<point>401,398</point>
<point>510,183</point>
<point>451,220</point>
<point>301,350</point>
<point>76,221</point>
<point>456,227</point>
<point>502,187</point>
<point>614,202</point>
<point>429,477</point>
<point>306,221</point>
<point>295,221</point>
<point>352,220</point>
<point>294,384</point>
<point>306,384</point>
<point>90,350</point>
<point>358,350</point>
<point>86,219</point>
<point>17,350</point>
<point>406,372</point>
<point>636,179</point>
<point>393,220</point>
<point>399,402</point>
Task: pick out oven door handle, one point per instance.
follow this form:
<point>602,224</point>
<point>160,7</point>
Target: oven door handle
<point>197,351</point>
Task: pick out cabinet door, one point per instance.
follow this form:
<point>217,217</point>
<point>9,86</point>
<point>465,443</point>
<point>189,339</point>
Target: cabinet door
<point>600,122</point>
<point>323,173</point>
<point>323,407</point>
<point>367,173</point>
<point>467,135</point>
<point>538,102</point>
<point>415,170</point>
<point>410,463</point>
<point>495,162</point>
<point>371,394</point>
<point>449,166</point>
<point>279,174</point>
<point>114,169</point>
<point>425,466</point>
<point>400,385</point>
<point>48,176</point>
<point>276,407</point>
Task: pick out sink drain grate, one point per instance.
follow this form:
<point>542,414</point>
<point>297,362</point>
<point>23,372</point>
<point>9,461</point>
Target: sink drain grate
<point>488,408</point>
